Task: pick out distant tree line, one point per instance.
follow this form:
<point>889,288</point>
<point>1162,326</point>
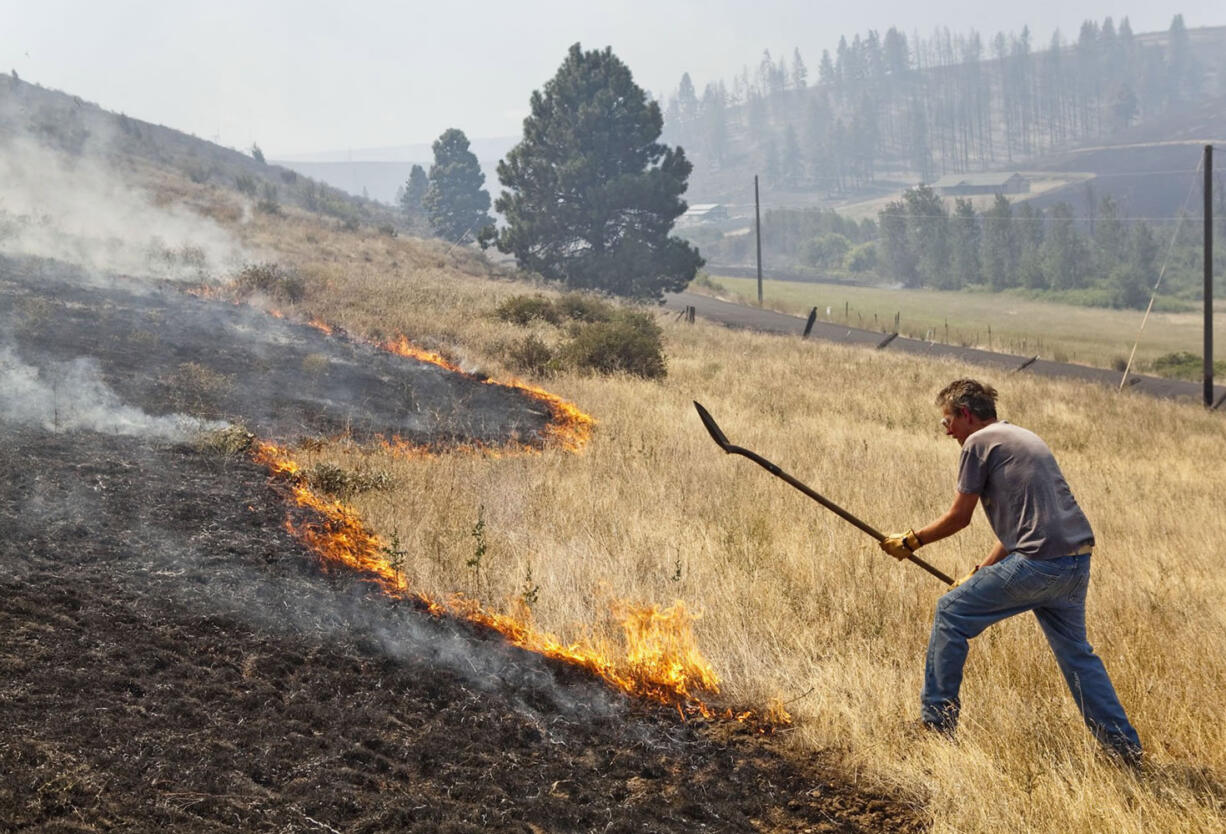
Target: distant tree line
<point>917,241</point>
<point>947,104</point>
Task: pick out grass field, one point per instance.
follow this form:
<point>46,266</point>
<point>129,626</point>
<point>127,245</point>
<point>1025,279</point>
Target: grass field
<point>1060,332</point>
<point>795,603</point>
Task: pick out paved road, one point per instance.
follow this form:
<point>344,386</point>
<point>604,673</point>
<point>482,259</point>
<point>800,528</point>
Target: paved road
<point>752,318</point>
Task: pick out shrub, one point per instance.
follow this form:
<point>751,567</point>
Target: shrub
<point>580,307</point>
<point>1183,364</point>
<point>271,280</point>
<point>232,441</point>
<point>530,355</point>
<point>269,204</point>
<point>523,309</point>
<point>630,343</point>
<point>246,184</point>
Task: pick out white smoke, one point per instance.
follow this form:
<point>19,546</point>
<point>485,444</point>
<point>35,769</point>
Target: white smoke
<point>72,396</point>
<point>78,209</point>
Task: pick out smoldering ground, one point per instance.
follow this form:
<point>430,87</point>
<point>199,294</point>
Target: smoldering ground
<point>169,353</point>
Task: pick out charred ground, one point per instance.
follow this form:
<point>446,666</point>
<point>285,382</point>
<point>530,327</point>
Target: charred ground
<point>173,657</point>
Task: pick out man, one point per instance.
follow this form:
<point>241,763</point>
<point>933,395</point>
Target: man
<point>1040,563</point>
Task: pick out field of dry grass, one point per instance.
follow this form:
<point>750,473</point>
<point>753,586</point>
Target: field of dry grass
<point>795,603</point>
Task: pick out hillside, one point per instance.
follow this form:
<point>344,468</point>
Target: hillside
<point>889,112</point>
<point>558,605</point>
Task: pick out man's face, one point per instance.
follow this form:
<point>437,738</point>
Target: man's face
<point>957,423</point>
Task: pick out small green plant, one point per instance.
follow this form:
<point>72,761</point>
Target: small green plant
<point>396,555</point>
<point>479,544</point>
<point>530,593</point>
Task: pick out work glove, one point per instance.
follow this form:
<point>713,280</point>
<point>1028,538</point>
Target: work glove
<point>974,570</point>
<point>901,545</point>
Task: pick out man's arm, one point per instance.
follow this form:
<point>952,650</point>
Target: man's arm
<point>902,545</point>
<point>956,518</point>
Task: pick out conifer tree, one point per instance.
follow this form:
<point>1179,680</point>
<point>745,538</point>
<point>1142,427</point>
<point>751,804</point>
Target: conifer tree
<point>456,203</point>
<point>590,194</point>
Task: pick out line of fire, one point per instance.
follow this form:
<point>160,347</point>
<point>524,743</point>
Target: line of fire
<point>659,659</point>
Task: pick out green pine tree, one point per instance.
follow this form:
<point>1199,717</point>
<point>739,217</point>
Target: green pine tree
<point>413,193</point>
<point>456,203</point>
<point>590,194</point>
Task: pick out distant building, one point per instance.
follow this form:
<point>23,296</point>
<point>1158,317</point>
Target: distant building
<point>705,212</point>
<point>965,185</point>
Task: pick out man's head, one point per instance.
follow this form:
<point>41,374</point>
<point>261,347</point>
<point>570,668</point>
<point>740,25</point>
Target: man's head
<point>967,405</point>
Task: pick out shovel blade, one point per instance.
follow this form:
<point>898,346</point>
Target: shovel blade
<point>712,427</point>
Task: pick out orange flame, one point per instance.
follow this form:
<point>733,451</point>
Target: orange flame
<point>660,660</point>
<point>569,428</point>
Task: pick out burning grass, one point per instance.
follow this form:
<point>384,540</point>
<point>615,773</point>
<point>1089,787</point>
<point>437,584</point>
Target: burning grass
<point>797,604</point>
<point>658,658</point>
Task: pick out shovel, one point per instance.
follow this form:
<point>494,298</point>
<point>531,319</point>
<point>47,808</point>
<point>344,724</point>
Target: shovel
<point>722,441</point>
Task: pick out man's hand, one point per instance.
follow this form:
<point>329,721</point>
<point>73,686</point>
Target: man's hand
<point>901,545</point>
<point>974,570</point>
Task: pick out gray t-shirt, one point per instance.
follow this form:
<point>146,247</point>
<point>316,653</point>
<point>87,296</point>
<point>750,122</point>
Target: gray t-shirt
<point>1027,501</point>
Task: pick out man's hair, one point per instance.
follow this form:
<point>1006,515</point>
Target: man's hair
<point>970,394</point>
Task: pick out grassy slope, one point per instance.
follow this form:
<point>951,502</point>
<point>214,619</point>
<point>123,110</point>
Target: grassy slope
<point>796,603</point>
<point>1061,332</point>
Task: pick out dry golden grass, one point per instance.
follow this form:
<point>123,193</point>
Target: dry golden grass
<point>796,603</point>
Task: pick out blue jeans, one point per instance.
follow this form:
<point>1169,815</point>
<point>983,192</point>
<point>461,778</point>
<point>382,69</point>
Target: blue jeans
<point>1055,590</point>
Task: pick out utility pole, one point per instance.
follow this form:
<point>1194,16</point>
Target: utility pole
<point>757,227</point>
<point>1208,276</point>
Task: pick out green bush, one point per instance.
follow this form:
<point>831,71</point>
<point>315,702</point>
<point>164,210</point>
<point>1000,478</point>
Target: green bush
<point>630,342</point>
<point>530,355</point>
<point>523,309</point>
<point>1183,364</point>
<point>580,307</point>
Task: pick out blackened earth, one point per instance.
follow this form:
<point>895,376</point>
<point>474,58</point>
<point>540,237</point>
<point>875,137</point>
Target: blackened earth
<point>172,658</point>
<point>170,352</point>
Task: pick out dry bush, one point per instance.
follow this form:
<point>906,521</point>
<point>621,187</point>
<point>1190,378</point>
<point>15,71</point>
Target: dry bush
<point>796,603</point>
<point>272,280</point>
<point>230,442</point>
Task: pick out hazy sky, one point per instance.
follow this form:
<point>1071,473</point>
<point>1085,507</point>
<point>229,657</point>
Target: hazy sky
<point>310,76</point>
